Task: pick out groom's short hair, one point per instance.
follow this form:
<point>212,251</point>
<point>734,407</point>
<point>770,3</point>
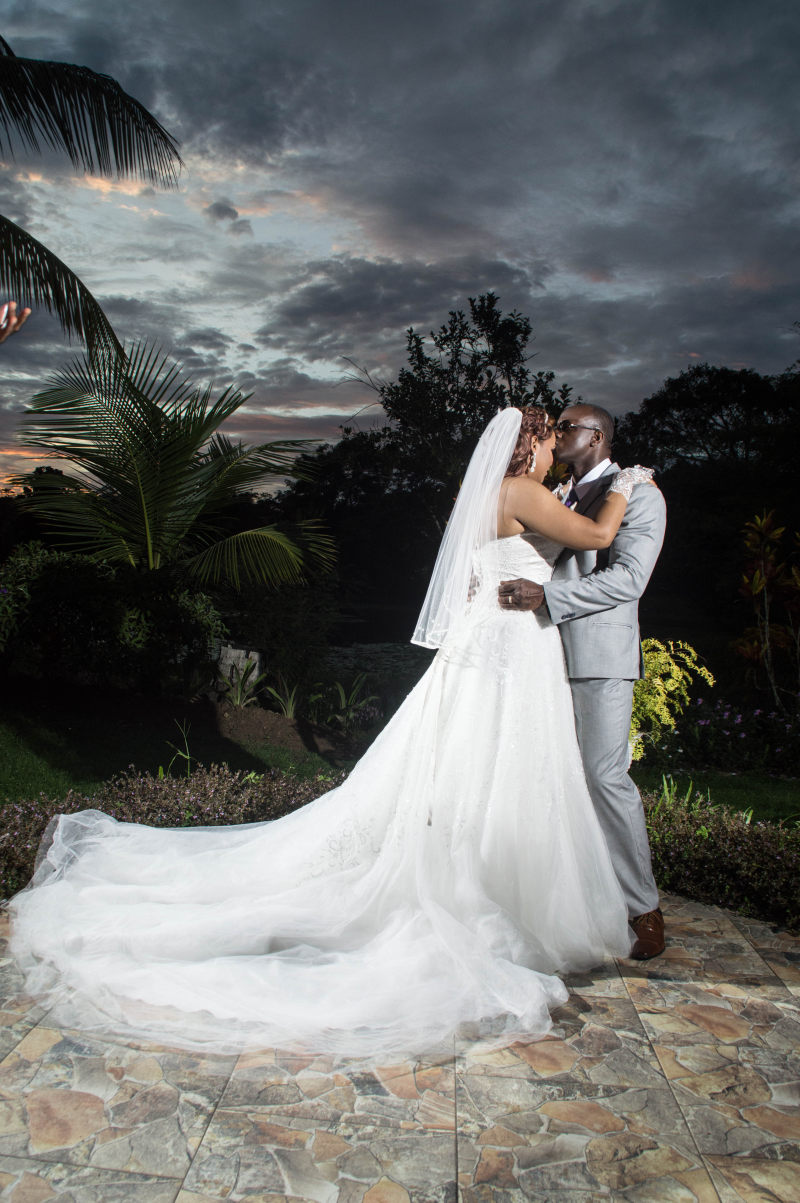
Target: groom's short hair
<point>604,422</point>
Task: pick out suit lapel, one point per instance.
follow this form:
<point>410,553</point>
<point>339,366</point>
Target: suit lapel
<point>597,489</point>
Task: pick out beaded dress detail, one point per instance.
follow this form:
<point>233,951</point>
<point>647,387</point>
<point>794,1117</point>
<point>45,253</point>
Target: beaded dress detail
<point>455,872</point>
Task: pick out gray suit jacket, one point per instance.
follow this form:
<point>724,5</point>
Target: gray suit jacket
<point>594,595</point>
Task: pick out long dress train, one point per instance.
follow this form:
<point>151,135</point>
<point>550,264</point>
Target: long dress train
<point>457,870</point>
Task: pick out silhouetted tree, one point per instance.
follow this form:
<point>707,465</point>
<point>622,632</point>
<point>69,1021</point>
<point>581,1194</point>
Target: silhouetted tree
<point>724,444</point>
<point>713,416</point>
<point>385,493</point>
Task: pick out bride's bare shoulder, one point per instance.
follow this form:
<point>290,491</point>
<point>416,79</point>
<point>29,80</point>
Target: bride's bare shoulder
<point>519,487</point>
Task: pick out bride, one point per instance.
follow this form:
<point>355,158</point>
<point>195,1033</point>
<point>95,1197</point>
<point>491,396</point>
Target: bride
<point>456,871</point>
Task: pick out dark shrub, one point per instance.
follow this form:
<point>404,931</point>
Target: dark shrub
<point>735,739</point>
<point>65,617</point>
<point>289,624</point>
<point>209,797</point>
<point>392,669</point>
<point>717,856</point>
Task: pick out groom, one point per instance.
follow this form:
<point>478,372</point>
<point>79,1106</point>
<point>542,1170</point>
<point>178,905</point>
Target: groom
<point>593,598</point>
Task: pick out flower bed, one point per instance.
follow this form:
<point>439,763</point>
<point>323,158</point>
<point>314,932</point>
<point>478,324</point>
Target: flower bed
<point>729,737</point>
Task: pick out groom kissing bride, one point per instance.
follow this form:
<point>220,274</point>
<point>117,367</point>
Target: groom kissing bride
<point>593,599</point>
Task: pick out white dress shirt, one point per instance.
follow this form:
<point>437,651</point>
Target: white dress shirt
<point>581,487</point>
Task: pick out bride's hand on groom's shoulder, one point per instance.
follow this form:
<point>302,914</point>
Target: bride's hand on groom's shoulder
<point>625,480</point>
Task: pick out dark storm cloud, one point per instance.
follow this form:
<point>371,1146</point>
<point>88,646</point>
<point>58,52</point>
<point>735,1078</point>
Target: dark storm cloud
<point>207,337</point>
<point>286,402</point>
<point>221,211</point>
<point>429,112</point>
<point>623,173</point>
<point>615,352</point>
<point>14,199</point>
<point>157,322</point>
<point>612,140</point>
<point>350,306</point>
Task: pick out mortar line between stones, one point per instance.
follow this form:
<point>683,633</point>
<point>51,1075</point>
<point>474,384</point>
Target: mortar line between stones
<point>212,1113</point>
<point>743,933</point>
<point>700,1157</point>
<point>780,982</point>
<point>455,1120</point>
<point>40,1023</point>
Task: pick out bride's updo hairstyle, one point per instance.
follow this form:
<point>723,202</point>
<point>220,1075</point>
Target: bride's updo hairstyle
<point>535,424</point>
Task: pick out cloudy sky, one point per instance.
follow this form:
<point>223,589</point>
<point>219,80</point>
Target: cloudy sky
<point>624,172</point>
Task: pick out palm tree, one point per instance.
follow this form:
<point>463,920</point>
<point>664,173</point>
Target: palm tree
<point>102,130</point>
<point>156,479</point>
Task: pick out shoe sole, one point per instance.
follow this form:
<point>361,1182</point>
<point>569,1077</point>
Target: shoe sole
<point>647,956</point>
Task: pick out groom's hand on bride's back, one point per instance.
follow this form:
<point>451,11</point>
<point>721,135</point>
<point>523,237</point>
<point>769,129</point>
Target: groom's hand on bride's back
<point>520,595</point>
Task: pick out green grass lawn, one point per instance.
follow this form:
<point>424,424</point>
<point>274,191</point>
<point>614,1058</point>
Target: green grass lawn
<point>769,797</point>
<point>50,744</point>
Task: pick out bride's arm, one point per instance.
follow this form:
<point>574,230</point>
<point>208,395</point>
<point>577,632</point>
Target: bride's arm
<point>535,507</point>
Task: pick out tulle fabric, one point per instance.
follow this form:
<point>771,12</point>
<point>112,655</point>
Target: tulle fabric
<point>471,526</point>
<point>457,870</point>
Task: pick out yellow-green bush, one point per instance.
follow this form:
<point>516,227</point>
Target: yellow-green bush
<point>663,692</point>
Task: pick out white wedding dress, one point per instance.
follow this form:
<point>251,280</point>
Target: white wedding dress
<point>458,869</point>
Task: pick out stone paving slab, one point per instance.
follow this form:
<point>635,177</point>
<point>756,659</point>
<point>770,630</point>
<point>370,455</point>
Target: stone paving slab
<point>673,1080</point>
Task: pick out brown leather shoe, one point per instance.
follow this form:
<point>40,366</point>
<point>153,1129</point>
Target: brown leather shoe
<point>649,931</point>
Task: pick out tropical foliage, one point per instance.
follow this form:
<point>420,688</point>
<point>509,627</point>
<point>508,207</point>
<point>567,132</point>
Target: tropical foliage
<point>771,582</point>
<point>69,618</point>
<point>102,130</point>
<point>724,443</point>
<point>663,693</point>
<point>152,480</point>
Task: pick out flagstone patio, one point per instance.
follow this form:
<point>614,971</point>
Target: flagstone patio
<point>674,1080</point>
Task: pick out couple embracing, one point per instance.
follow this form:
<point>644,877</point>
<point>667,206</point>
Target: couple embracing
<point>462,866</point>
<point>593,597</point>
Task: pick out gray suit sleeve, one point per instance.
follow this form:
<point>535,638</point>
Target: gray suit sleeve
<point>631,560</point>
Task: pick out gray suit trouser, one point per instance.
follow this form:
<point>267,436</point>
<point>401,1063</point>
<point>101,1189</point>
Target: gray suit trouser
<point>602,721</point>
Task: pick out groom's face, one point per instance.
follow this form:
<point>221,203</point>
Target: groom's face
<point>576,436</point>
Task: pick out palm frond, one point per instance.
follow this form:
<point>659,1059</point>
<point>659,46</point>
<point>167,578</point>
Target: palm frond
<point>265,556</point>
<point>100,127</point>
<point>95,417</point>
<point>85,523</point>
<point>90,413</point>
<point>156,481</point>
<point>316,544</point>
<point>150,372</point>
<point>235,468</point>
<point>33,275</point>
<point>270,459</point>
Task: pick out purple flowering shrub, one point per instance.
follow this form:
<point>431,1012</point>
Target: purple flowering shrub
<point>209,797</point>
<point>730,738</point>
<point>717,856</point>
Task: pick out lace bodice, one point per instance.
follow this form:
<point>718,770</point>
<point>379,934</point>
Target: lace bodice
<point>528,555</point>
